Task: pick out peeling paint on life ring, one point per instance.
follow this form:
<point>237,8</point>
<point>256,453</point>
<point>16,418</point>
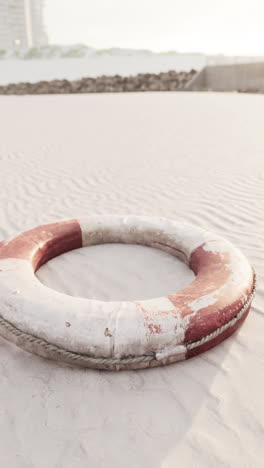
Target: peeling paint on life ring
<point>161,327</point>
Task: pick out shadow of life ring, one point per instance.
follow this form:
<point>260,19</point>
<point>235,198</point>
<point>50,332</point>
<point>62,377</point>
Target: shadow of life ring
<point>124,334</point>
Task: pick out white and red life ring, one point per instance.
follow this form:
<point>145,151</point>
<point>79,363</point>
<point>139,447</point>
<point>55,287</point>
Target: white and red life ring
<point>123,335</point>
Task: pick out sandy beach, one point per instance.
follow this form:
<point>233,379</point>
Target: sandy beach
<point>195,157</point>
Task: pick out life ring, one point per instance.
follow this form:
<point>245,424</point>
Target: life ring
<point>123,335</point>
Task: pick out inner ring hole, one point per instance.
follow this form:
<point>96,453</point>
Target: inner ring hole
<point>116,272</point>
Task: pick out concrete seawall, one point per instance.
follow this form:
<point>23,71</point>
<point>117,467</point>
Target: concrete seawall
<point>237,77</point>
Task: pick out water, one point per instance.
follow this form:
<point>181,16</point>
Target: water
<point>15,70</point>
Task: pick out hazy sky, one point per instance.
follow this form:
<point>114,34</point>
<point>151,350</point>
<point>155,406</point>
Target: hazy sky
<point>213,26</point>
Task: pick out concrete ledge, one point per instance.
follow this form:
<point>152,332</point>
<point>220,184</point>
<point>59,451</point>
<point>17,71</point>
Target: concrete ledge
<point>238,77</point>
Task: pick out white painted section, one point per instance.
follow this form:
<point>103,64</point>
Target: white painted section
<point>132,229</point>
<point>157,305</point>
<point>43,312</point>
<point>203,302</point>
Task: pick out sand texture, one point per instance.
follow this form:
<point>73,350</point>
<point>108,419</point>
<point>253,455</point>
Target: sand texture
<point>192,157</point>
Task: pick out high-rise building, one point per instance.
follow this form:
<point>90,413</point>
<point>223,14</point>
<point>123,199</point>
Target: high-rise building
<point>21,24</point>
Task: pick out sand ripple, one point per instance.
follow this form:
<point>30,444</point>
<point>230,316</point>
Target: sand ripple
<point>196,158</point>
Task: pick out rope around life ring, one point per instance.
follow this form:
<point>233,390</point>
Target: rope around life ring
<point>123,335</point>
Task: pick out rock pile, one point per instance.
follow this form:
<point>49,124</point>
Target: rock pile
<point>168,81</point>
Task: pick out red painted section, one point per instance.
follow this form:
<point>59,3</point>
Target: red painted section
<point>218,339</point>
<point>212,270</point>
<point>154,328</point>
<point>43,243</point>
